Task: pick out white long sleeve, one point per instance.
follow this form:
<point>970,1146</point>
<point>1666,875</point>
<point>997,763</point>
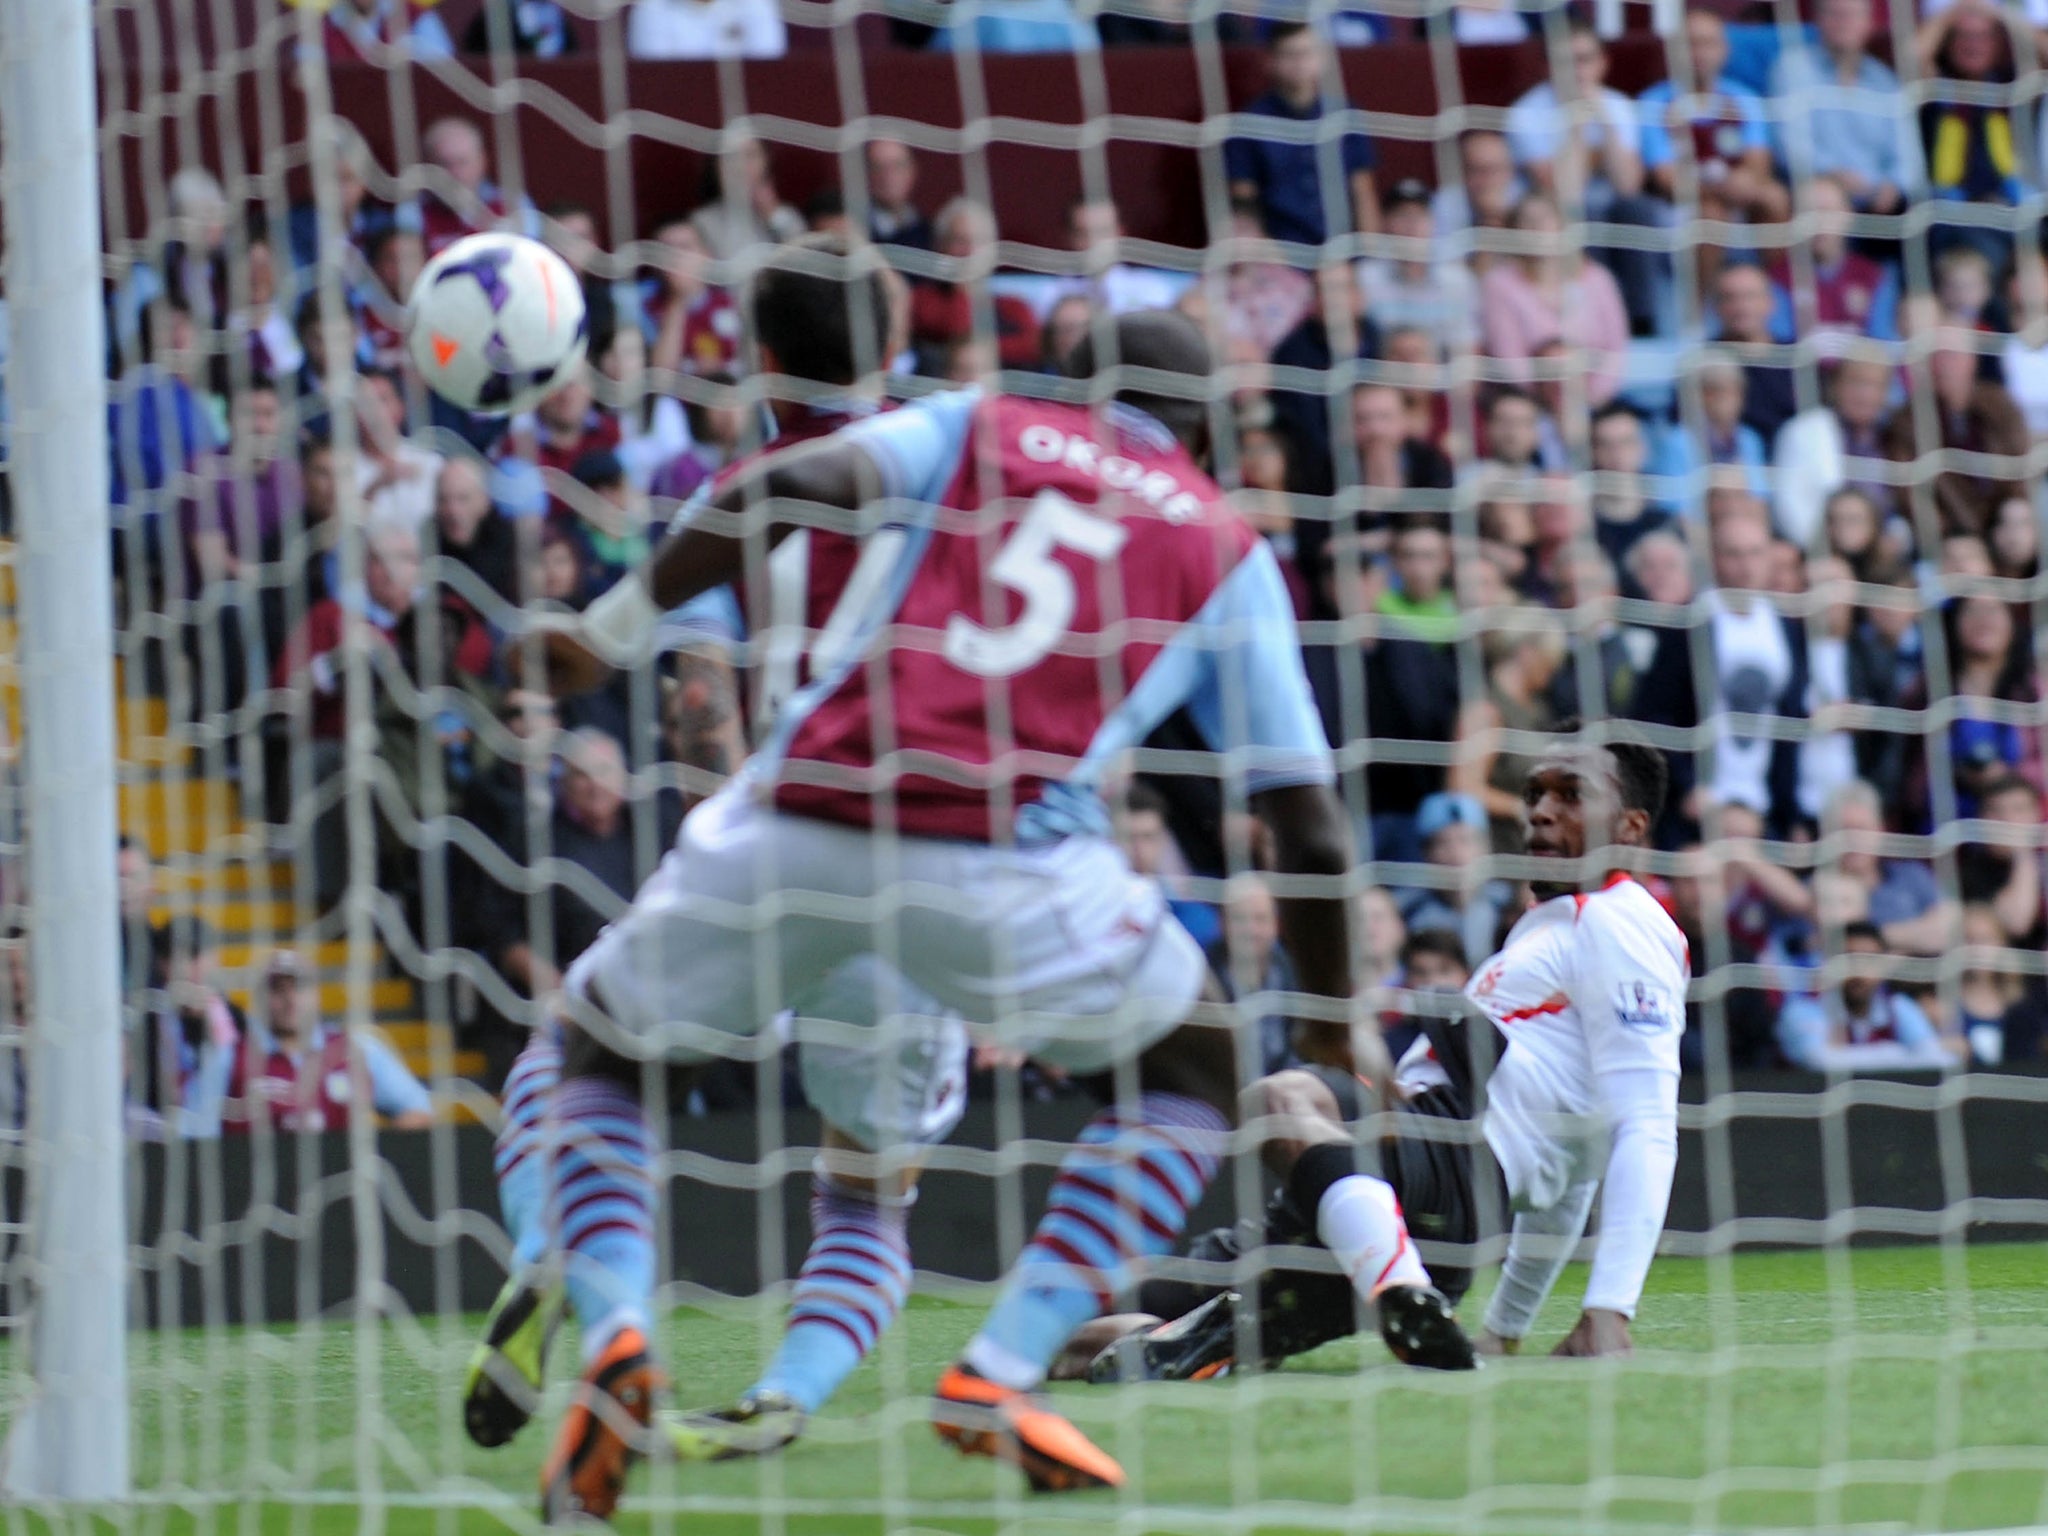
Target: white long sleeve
<point>1642,1154</point>
<point>1539,1247</point>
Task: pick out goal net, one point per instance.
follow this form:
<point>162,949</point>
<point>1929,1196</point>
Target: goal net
<point>1647,374</point>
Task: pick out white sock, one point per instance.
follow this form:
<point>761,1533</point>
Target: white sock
<point>598,1339</point>
<point>1359,1220</point>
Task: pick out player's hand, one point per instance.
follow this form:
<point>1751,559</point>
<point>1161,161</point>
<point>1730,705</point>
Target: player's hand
<point>1599,1333</point>
<point>1491,1343</point>
<point>568,665</point>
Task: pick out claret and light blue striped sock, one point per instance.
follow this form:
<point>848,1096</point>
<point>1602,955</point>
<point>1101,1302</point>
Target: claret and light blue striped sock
<point>853,1283</point>
<point>1123,1194</point>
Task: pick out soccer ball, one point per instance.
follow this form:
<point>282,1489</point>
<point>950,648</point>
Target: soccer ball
<point>495,322</point>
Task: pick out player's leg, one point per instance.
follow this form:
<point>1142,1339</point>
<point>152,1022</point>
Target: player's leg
<point>1122,1196</point>
<point>503,1382</point>
<point>888,1074</point>
<point>675,979</point>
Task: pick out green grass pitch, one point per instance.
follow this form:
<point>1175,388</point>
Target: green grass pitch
<point>1901,1389</point>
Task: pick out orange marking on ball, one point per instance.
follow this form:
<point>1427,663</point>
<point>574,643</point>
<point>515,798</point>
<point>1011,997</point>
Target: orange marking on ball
<point>445,347</point>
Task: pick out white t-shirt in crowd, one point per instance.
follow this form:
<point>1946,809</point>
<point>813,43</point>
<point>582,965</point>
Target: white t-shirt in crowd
<point>2026,380</point>
<point>1537,123</point>
<point>1752,669</point>
<point>706,29</point>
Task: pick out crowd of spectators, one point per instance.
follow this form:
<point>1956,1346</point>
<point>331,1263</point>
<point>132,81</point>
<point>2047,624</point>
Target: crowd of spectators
<point>1520,467</point>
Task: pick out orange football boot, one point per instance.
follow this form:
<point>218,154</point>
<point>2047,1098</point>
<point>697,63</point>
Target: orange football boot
<point>983,1419</point>
<point>603,1433</point>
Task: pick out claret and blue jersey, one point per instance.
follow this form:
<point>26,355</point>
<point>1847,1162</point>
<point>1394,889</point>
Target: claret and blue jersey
<point>1041,585</point>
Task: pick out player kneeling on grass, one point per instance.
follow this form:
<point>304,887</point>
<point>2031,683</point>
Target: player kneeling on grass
<point>1583,1006</point>
<point>1033,587</point>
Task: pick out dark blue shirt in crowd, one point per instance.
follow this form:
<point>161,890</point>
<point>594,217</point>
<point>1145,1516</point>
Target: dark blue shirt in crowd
<point>1289,175</point>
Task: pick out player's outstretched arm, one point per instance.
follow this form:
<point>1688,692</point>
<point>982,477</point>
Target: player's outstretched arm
<point>707,549</point>
<point>1629,989</point>
<point>1312,838</point>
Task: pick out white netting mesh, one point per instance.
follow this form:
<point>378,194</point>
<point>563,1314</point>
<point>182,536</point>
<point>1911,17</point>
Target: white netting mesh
<point>1623,359</point>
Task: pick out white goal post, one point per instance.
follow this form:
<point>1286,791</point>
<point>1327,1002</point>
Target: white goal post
<point>71,1440</point>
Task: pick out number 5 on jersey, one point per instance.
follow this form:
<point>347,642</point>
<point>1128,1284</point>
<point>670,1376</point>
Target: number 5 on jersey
<point>1029,566</point>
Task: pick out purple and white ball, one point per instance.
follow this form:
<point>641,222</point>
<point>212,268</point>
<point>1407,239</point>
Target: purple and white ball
<point>495,323</point>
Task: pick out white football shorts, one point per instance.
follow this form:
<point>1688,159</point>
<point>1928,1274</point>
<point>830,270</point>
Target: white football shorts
<point>878,1059</point>
<point>1058,951</point>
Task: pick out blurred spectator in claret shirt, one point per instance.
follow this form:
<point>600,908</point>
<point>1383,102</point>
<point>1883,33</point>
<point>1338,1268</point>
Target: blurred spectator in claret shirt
<point>236,514</point>
<point>940,312</point>
<point>893,218</point>
<point>1286,177</point>
<point>1721,125</point>
<point>1837,112</point>
<point>395,256</point>
<point>1546,293</point>
<point>565,426</point>
<point>1864,1024</point>
<point>1835,446</point>
<point>696,325</point>
<point>296,1073</point>
<point>1848,292</point>
<point>455,147</point>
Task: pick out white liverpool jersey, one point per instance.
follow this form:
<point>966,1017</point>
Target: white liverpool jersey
<point>1589,991</point>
